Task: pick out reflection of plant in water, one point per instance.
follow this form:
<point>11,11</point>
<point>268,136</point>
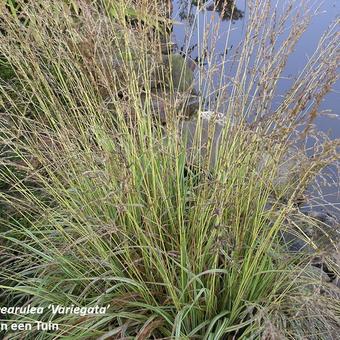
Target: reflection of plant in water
<point>226,9</point>
<point>186,12</point>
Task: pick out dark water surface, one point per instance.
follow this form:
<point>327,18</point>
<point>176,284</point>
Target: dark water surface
<point>188,31</point>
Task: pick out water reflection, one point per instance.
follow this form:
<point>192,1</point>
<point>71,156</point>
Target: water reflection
<point>225,8</point>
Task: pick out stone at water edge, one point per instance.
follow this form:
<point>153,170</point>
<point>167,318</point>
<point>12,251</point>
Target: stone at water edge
<point>328,231</point>
<point>182,75</point>
<point>321,228</point>
<point>327,237</point>
<point>183,101</point>
<point>336,260</point>
<point>321,237</point>
<point>187,130</point>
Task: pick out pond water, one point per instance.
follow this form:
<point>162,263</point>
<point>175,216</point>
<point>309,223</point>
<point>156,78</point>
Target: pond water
<point>190,23</point>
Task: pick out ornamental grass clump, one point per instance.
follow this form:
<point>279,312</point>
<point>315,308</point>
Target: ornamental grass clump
<point>103,206</point>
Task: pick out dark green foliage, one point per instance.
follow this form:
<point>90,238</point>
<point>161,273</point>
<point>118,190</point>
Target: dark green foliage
<point>6,72</point>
